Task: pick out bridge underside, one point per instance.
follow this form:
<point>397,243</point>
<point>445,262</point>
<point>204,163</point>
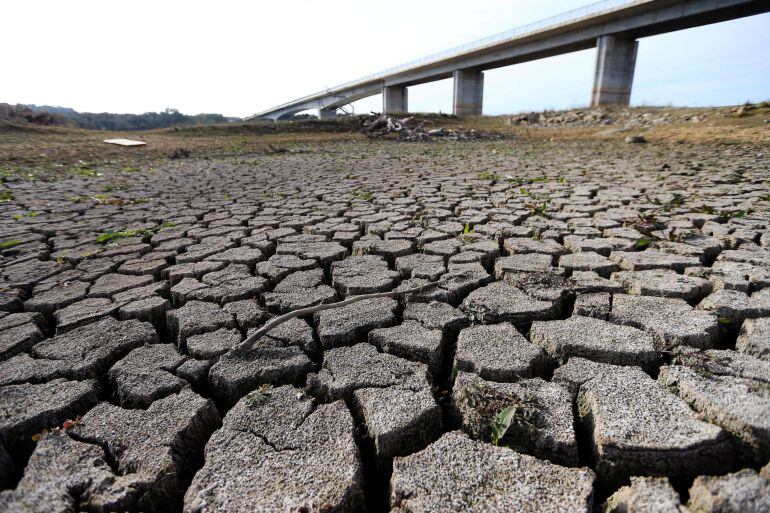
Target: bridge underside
<point>324,104</point>
<point>613,33</point>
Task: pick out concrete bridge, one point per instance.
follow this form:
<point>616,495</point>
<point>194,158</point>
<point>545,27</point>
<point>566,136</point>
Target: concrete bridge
<point>612,26</point>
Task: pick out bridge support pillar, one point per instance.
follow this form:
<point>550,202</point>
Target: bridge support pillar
<point>615,62</point>
<point>395,99</point>
<point>329,113</point>
<point>468,92</point>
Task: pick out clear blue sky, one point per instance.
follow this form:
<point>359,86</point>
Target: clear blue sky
<point>238,57</point>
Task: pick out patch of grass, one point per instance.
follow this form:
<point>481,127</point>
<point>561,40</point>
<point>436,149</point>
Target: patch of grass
<point>85,171</point>
<point>19,217</point>
<point>538,209</point>
<point>114,186</point>
<point>111,235</point>
<point>369,249</point>
<point>501,423</point>
<point>734,214</point>
<point>364,195</point>
<point>486,175</point>
<point>643,242</point>
<point>6,195</point>
<point>260,395</point>
<point>705,209</point>
<point>90,254</point>
<point>9,244</point>
<point>493,414</point>
<point>528,181</point>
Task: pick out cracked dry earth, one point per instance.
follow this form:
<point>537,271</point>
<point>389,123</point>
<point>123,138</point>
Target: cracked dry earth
<point>617,296</point>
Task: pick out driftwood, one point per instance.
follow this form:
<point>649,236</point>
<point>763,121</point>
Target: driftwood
<point>412,129</point>
<point>302,312</point>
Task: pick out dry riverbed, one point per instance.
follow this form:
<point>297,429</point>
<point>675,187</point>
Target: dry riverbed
<point>599,336</point>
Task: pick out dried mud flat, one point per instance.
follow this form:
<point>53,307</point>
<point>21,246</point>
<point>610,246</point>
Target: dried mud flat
<point>599,338</point>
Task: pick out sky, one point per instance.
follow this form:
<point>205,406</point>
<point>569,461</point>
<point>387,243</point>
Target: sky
<point>240,57</point>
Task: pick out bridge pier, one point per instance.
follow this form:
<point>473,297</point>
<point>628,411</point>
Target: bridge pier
<point>395,99</point>
<point>468,92</point>
<point>615,62</point>
<point>329,113</point>
<point>612,29</point>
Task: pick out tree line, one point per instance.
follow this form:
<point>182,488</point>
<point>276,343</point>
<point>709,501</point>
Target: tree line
<point>46,115</point>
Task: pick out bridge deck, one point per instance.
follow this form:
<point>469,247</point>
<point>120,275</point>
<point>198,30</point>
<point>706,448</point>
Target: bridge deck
<point>567,32</point>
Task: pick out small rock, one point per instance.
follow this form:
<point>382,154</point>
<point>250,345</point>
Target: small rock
<point>152,449</point>
<point>197,317</point>
<point>754,338</point>
<point>498,353</point>
<point>278,451</point>
<point>500,302</point>
<point>456,473</point>
<point>671,322</point>
<point>146,374</point>
<point>663,283</point>
<point>740,492</point>
<point>645,495</point>
<point>362,275</point>
<point>413,341</point>
<point>269,360</point>
<point>352,323</point>
<point>739,405</point>
<point>596,304</point>
<point>213,344</point>
<point>578,371</point>
<point>27,409</point>
<point>641,429</point>
<point>347,369</point>
<point>594,339</point>
<point>398,420</point>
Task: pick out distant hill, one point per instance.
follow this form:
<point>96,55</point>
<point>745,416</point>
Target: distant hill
<point>50,115</point>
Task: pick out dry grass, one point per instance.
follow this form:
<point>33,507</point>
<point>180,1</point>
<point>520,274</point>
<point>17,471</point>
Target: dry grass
<point>51,152</point>
<point>40,145</point>
<point>721,126</point>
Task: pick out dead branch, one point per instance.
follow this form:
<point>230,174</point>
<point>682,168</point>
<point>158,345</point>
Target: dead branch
<point>302,312</point>
<point>411,129</point>
<point>280,149</point>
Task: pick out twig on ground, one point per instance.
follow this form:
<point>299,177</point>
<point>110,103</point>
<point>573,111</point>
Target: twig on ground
<point>301,312</point>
